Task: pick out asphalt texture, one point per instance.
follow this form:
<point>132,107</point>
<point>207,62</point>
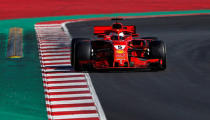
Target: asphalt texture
<point>181,92</point>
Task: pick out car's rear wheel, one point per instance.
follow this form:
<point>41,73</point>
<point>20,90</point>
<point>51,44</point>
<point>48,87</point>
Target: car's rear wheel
<point>82,55</point>
<point>158,51</point>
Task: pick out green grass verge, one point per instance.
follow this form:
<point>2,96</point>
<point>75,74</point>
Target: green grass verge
<point>21,95</point>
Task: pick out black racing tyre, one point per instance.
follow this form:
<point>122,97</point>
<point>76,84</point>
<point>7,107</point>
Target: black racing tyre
<point>83,53</point>
<point>73,47</point>
<point>158,51</point>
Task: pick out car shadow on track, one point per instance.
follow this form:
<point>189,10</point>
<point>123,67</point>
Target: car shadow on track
<point>60,68</point>
<point>121,71</point>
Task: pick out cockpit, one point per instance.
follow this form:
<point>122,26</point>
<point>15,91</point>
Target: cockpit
<point>116,36</point>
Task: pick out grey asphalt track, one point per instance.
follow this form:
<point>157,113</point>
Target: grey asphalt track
<point>182,92</point>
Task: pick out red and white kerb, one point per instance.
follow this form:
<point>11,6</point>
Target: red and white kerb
<point>69,95</point>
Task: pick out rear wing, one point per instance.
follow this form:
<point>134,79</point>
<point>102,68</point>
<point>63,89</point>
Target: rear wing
<point>107,29</point>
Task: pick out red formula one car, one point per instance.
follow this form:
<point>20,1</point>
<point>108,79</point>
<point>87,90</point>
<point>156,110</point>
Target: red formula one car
<point>117,47</point>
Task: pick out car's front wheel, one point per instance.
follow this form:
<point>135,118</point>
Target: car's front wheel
<point>158,51</point>
<point>73,47</point>
<point>83,55</point>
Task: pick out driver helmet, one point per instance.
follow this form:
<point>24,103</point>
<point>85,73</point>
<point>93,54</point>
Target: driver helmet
<point>121,35</point>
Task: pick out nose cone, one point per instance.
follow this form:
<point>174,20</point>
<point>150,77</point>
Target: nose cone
<point>120,54</point>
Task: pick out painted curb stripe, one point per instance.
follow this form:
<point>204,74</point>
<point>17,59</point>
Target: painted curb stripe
<point>73,109</point>
<point>73,116</point>
<point>70,98</point>
<point>56,58</point>
<point>74,112</point>
<point>67,87</point>
<point>62,75</point>
<point>68,95</point>
<point>68,90</point>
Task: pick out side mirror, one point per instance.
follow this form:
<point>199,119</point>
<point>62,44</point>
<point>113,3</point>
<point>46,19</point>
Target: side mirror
<point>101,35</point>
<point>135,35</point>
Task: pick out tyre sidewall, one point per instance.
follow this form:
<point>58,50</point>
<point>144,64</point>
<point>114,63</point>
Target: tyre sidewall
<point>158,51</point>
<point>82,53</point>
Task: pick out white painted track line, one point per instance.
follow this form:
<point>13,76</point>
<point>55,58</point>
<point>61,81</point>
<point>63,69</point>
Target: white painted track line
<point>75,116</point>
<point>54,50</point>
<point>64,53</point>
<point>66,84</point>
<point>54,57</point>
<point>56,61</point>
<point>70,95</point>
<point>63,74</point>
<point>72,102</point>
<point>59,65</point>
<point>73,109</point>
<point>50,43</point>
<point>66,78</point>
<point>68,90</point>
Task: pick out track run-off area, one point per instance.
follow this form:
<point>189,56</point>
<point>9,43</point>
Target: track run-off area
<point>181,92</point>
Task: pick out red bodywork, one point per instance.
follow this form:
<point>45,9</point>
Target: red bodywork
<point>123,52</point>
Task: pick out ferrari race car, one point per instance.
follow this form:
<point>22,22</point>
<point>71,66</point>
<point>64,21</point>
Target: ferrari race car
<point>116,46</point>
